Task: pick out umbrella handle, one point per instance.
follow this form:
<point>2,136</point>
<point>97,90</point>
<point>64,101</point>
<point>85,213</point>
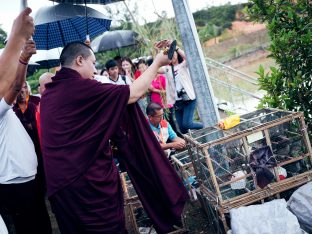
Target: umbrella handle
<point>88,41</point>
<point>24,4</point>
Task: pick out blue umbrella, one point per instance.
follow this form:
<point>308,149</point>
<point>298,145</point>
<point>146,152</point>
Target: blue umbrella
<point>56,26</point>
<point>103,2</point>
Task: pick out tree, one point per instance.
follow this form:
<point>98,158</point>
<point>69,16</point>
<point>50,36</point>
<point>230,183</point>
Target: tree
<point>289,22</point>
<point>207,32</point>
<point>149,33</point>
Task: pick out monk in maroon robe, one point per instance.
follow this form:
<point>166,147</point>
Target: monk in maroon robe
<point>79,117</point>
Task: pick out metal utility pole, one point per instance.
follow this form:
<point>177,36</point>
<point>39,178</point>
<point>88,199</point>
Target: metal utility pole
<point>195,58</point>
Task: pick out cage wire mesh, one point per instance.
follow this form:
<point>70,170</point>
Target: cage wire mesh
<point>230,157</point>
<point>184,167</point>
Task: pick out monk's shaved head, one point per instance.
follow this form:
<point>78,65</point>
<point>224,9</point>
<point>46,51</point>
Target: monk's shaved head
<point>44,79</point>
<point>72,50</point>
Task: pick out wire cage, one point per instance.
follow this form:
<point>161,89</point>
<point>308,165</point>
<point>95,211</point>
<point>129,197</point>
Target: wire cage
<point>183,165</point>
<point>232,169</point>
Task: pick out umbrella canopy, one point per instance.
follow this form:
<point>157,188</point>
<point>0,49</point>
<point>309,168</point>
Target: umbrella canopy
<point>47,58</point>
<point>56,26</point>
<point>103,2</point>
<point>114,40</point>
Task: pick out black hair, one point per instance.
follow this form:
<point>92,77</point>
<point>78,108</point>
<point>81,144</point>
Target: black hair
<point>180,58</point>
<point>149,61</point>
<point>102,71</point>
<point>152,107</point>
<point>72,50</point>
<point>117,58</point>
<point>141,61</point>
<point>111,63</point>
<point>131,63</point>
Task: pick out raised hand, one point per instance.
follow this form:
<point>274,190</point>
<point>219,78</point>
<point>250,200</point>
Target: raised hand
<point>160,44</point>
<point>28,50</point>
<point>23,26</point>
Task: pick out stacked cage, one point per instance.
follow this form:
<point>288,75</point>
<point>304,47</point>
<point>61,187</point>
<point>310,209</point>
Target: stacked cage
<point>183,165</point>
<point>267,153</point>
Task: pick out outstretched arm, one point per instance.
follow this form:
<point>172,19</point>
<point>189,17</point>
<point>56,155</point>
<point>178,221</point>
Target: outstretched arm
<point>140,86</point>
<point>23,28</point>
<point>28,50</point>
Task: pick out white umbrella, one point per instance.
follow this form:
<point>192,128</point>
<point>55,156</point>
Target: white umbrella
<point>47,58</point>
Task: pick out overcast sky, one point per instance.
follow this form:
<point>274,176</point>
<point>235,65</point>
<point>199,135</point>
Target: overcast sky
<point>146,8</point>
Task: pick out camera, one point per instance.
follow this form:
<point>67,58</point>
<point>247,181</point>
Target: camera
<point>183,95</point>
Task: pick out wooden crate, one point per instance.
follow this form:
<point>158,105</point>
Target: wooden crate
<point>218,154</point>
<point>132,204</point>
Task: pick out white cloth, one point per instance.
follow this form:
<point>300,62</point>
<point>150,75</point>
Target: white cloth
<point>3,229</point>
<point>120,81</point>
<point>18,161</point>
<point>184,78</point>
<point>269,218</point>
<point>300,205</point>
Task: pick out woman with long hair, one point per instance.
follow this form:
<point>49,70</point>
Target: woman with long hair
<point>128,68</point>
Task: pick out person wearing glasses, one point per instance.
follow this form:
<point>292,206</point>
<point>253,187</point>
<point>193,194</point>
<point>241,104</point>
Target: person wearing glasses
<point>163,130</point>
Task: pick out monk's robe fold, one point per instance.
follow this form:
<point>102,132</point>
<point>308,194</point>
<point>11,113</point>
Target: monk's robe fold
<point>158,186</point>
<point>78,118</point>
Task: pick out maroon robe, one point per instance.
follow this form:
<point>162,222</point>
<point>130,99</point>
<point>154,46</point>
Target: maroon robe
<point>78,117</point>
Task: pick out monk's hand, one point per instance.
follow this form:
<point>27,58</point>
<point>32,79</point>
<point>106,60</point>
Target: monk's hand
<point>161,59</point>
<point>23,26</point>
<point>160,44</point>
<point>168,42</point>
<point>28,50</point>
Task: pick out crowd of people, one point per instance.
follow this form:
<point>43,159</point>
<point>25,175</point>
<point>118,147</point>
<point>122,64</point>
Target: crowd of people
<point>61,145</point>
<point>171,88</point>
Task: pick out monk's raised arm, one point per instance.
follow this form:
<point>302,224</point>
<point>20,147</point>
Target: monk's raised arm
<point>140,86</point>
<point>23,28</point>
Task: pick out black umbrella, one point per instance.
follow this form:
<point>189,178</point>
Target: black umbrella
<point>103,2</point>
<point>56,26</point>
<point>114,40</point>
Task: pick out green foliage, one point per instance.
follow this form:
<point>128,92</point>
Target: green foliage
<point>213,21</point>
<point>229,112</point>
<point>220,16</point>
<point>290,28</point>
<point>210,23</point>
<point>3,36</point>
<point>34,80</point>
<point>148,35</point>
<point>207,32</point>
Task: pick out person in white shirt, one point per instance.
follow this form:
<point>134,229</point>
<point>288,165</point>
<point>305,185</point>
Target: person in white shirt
<point>114,77</point>
<point>23,28</point>
<point>19,190</point>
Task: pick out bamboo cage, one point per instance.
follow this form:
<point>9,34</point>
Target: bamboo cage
<point>221,158</point>
<point>183,165</point>
<point>134,213</point>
